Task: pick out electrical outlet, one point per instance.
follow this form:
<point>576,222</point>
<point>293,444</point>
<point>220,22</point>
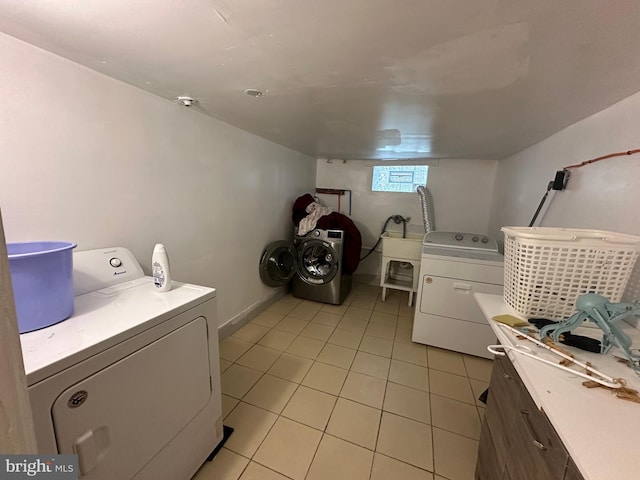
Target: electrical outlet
<point>560,182</point>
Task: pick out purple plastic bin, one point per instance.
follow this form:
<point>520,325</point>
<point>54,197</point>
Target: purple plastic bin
<point>42,279</point>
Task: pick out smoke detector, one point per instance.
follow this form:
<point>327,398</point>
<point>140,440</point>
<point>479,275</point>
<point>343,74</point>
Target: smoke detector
<point>186,101</point>
<point>253,92</point>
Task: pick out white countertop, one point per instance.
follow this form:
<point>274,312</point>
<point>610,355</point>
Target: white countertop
<point>601,432</point>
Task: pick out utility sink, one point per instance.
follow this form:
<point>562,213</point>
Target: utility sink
<point>394,246</point>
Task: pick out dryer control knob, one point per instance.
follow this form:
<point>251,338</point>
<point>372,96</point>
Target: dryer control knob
<point>485,240</point>
<point>458,237</point>
<point>115,262</point>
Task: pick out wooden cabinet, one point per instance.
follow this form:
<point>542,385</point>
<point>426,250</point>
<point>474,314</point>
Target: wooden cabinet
<point>488,466</point>
<point>517,439</point>
<point>572,472</point>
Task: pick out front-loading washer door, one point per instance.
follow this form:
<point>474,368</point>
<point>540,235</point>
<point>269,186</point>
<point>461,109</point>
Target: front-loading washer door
<point>119,418</point>
<point>318,262</point>
<point>278,263</point>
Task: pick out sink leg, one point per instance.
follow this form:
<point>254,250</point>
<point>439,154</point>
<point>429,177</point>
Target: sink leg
<point>384,293</point>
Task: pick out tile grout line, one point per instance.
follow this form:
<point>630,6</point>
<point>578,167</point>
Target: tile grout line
<point>384,397</point>
<point>316,360</point>
<point>475,400</point>
<point>433,443</point>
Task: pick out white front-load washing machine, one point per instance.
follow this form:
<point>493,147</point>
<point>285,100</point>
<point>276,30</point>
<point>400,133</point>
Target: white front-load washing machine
<point>313,264</point>
<point>131,381</point>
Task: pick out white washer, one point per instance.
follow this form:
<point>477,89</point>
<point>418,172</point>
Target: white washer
<point>131,381</point>
<point>453,267</point>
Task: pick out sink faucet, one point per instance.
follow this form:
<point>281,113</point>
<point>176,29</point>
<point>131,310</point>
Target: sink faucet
<point>400,219</point>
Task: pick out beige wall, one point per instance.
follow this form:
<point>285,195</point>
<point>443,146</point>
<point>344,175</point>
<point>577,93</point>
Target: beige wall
<point>461,191</point>
<point>89,159</point>
<point>603,195</point>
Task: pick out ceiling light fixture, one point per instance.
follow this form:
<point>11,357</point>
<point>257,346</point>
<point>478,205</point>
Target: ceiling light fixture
<point>252,92</point>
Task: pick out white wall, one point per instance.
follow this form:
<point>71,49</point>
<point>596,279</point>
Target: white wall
<point>461,191</point>
<point>89,159</point>
<point>604,195</point>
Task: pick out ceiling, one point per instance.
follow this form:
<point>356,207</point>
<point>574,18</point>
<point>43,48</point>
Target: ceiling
<point>360,79</point>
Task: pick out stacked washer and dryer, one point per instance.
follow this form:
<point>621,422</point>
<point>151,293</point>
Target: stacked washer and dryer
<point>313,264</point>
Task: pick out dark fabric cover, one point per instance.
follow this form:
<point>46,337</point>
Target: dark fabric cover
<point>299,206</point>
<point>336,221</point>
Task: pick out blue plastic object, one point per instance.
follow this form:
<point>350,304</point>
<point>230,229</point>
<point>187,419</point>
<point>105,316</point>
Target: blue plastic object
<point>42,279</point>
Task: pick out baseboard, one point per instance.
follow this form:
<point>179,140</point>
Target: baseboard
<point>236,323</point>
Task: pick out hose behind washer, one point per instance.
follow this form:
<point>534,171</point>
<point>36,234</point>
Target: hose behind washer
<point>397,219</point>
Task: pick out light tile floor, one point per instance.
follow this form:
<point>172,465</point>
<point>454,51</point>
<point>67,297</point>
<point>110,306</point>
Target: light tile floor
<point>325,392</point>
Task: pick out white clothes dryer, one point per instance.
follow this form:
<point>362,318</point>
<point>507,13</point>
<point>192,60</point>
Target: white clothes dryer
<point>131,381</point>
<point>453,267</point>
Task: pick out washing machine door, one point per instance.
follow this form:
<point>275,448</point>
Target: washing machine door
<point>278,263</point>
<point>318,261</point>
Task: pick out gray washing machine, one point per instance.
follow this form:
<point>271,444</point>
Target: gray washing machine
<point>313,264</point>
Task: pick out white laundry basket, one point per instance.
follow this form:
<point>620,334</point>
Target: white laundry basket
<point>546,269</point>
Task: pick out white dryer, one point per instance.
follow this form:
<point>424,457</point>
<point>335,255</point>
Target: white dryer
<point>131,382</point>
<point>453,267</point>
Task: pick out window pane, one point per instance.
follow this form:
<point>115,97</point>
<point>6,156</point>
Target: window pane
<point>399,178</point>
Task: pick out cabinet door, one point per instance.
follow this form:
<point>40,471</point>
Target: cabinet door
<point>517,440</point>
<point>506,476</point>
<point>539,451</point>
<point>572,472</point>
<point>504,395</point>
<point>487,467</point>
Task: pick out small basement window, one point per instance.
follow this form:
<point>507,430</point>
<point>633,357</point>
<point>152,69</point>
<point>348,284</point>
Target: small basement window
<point>399,178</point>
